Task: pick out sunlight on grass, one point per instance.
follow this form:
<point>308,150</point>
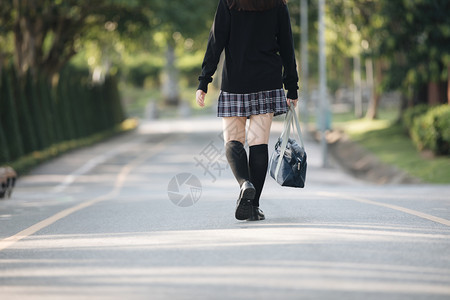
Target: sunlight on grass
<point>390,143</point>
<point>358,127</point>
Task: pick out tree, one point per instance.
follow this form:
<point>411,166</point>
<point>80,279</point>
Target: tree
<point>47,33</point>
<point>415,37</point>
<point>178,21</point>
<point>407,41</point>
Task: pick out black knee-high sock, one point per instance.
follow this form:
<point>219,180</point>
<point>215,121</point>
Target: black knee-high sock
<point>258,163</point>
<point>237,159</point>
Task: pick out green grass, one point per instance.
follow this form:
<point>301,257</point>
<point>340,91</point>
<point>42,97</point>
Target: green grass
<point>389,142</point>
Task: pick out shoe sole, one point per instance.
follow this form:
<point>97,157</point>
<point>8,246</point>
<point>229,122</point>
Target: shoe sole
<point>258,218</point>
<point>244,205</point>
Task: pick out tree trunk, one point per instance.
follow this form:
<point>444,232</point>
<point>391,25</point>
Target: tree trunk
<point>372,112</point>
<point>347,72</point>
<point>31,26</point>
<point>29,36</point>
<point>170,80</point>
<point>433,93</point>
<point>357,86</point>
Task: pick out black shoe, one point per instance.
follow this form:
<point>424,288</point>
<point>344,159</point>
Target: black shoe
<point>256,214</point>
<point>244,203</point>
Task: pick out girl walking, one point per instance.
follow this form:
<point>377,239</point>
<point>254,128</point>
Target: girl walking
<point>259,58</point>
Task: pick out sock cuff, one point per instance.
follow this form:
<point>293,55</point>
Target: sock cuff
<point>234,142</point>
<point>260,146</point>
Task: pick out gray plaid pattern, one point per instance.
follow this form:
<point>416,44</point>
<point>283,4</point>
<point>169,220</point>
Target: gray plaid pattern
<point>245,105</point>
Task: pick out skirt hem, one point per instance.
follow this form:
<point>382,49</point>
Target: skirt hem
<point>246,105</point>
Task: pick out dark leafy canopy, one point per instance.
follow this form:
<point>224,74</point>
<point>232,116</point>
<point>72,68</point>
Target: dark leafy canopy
<point>46,32</point>
<point>420,31</point>
<point>413,35</point>
<point>190,18</point>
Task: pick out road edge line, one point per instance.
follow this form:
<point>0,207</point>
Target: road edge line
<point>119,182</point>
<point>391,206</point>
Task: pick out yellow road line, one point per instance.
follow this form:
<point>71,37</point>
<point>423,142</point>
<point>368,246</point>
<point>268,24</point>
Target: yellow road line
<point>391,206</point>
<point>120,180</point>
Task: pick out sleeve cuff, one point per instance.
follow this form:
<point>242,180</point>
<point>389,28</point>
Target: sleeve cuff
<point>292,94</point>
<point>203,85</point>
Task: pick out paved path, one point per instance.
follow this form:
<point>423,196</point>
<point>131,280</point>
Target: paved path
<point>99,223</point>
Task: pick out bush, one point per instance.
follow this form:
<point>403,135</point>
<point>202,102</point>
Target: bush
<point>9,119</point>
<point>35,116</point>
<point>412,113</point>
<point>432,130</point>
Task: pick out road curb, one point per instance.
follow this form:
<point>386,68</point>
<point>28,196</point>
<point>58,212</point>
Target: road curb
<point>361,163</point>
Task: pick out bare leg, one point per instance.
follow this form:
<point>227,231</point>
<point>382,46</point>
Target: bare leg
<point>234,129</point>
<point>234,138</point>
<point>259,129</point>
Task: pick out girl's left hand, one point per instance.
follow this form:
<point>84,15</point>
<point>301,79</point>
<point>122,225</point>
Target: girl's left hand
<point>200,96</point>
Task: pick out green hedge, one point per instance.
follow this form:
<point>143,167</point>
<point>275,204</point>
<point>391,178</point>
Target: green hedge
<point>431,129</point>
<point>412,113</point>
<point>35,116</point>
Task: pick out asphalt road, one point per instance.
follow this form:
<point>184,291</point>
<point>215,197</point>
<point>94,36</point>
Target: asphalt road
<point>150,215</point>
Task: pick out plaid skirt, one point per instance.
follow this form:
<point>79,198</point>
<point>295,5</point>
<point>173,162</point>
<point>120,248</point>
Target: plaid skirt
<point>245,105</point>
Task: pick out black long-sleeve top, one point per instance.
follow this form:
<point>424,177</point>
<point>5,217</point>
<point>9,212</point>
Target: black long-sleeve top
<point>259,51</point>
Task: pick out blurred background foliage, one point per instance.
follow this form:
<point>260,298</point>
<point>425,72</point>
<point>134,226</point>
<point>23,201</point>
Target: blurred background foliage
<point>151,52</point>
<point>146,41</point>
